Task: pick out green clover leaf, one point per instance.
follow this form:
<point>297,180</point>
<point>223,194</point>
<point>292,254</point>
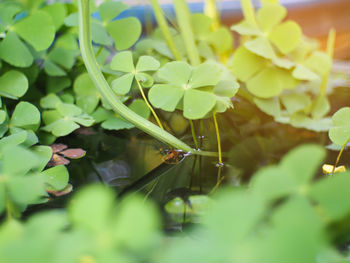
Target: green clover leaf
<point>62,118</point>
<point>268,30</point>
<point>340,132</point>
<point>25,116</point>
<point>37,29</point>
<point>262,80</point>
<point>21,188</point>
<point>86,95</point>
<point>58,60</point>
<point>219,38</point>
<point>185,82</point>
<point>123,62</point>
<point>111,121</point>
<point>13,84</point>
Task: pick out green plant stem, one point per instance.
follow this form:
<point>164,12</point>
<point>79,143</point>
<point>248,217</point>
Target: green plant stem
<point>339,156</point>
<point>163,25</point>
<point>249,12</point>
<point>218,138</point>
<point>210,9</point>
<point>184,21</point>
<point>149,105</point>
<point>194,134</point>
<point>9,215</point>
<point>101,83</point>
<point>330,53</point>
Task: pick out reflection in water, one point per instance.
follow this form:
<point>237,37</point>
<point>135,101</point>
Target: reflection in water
<point>114,172</point>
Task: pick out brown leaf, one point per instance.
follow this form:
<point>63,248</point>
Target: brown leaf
<point>57,147</point>
<point>85,131</point>
<point>57,159</point>
<point>74,153</point>
<point>66,190</point>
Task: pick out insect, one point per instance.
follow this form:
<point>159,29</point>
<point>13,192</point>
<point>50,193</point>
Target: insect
<point>172,156</point>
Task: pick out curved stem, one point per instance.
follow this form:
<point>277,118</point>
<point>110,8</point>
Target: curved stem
<point>218,138</point>
<point>339,155</point>
<point>149,105</point>
<point>101,83</point>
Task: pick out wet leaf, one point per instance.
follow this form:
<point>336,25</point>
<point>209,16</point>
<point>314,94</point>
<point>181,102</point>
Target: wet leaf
<point>56,177</point>
<point>165,96</point>
<point>13,84</point>
<point>198,103</point>
<point>26,116</point>
<point>245,64</point>
<point>58,12</point>
<point>110,10</point>
<point>14,51</point>
<point>260,46</point>
<point>125,32</point>
<point>74,153</point>
<point>270,15</point>
<point>340,132</point>
<point>37,29</point>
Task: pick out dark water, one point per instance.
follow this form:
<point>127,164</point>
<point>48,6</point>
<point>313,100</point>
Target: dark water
<point>130,161</point>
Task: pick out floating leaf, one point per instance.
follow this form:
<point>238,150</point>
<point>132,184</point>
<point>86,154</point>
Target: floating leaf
<point>270,15</point>
<point>125,32</point>
<point>260,46</point>
<point>320,107</point>
<point>37,29</point>
<point>14,51</point>
<point>91,207</point>
<point>319,62</point>
<point>123,62</point>
<point>62,57</point>
<point>176,72</point>
<point>303,73</point>
<point>53,70</point>
<point>183,80</point>
<point>147,63</point>
<point>197,103</point>
<point>246,29</point>
<point>123,84</point>
<point>266,84</point>
<point>245,64</point>
<point>58,12</point>
<point>340,132</point>
<point>110,10</point>
<point>270,106</point>
<point>165,96</point>
<point>295,102</point>
<point>87,96</point>
<point>286,36</point>
<point>13,84</point>
<point>206,74</point>
<point>302,163</point>
<point>64,118</point>
<point>221,39</point>
<point>332,196</point>
<point>56,177</point>
<point>25,116</point>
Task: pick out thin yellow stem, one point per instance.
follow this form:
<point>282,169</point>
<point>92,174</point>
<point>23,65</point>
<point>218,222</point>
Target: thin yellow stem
<point>149,105</point>
<point>339,155</point>
<point>218,138</point>
<point>193,134</point>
